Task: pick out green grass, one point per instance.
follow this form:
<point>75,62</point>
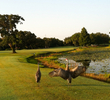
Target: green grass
<point>17,81</point>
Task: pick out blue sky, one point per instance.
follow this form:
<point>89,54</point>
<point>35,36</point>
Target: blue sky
<point>60,18</point>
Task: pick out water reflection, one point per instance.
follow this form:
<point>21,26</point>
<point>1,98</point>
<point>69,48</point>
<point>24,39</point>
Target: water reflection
<point>97,67</point>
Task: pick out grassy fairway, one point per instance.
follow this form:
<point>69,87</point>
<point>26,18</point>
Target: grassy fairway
<point>17,81</point>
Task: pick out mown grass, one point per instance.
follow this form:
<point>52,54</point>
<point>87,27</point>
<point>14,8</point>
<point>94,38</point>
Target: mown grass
<point>17,81</point>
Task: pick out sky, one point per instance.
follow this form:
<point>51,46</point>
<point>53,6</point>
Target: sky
<point>60,18</point>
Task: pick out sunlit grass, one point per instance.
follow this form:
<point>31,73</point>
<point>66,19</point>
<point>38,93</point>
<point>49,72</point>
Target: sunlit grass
<point>17,81</point>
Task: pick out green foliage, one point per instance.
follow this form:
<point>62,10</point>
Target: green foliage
<point>84,38</point>
<point>8,29</point>
<point>75,39</point>
<point>40,43</point>
<point>93,38</point>
<point>99,38</point>
<point>68,41</point>
<point>52,42</point>
<point>27,40</point>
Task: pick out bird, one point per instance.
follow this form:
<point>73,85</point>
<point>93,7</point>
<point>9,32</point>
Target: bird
<point>62,73</point>
<point>75,72</point>
<point>38,75</point>
<point>68,74</point>
<point>65,74</point>
<point>68,70</point>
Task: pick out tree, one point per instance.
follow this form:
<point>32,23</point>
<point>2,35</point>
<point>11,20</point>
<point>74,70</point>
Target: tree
<point>47,42</point>
<point>93,38</point>
<point>75,39</point>
<point>30,40</point>
<point>68,41</point>
<point>8,29</point>
<point>27,40</point>
<point>40,43</point>
<point>55,42</point>
<point>84,38</point>
<point>101,38</point>
<point>52,42</point>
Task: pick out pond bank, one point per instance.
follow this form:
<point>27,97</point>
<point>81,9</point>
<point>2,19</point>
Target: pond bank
<point>49,60</point>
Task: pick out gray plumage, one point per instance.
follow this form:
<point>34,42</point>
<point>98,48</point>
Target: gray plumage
<point>77,71</point>
<point>68,74</point>
<point>65,74</point>
<point>38,75</point>
<point>62,73</point>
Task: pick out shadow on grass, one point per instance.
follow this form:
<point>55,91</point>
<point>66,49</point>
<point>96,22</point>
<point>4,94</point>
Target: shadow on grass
<point>89,85</point>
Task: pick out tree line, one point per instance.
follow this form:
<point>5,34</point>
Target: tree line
<point>28,40</point>
<point>83,38</point>
<point>14,39</point>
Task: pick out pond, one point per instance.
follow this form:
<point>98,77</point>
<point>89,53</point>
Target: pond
<point>97,67</point>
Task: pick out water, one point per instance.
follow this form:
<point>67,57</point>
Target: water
<point>97,67</point>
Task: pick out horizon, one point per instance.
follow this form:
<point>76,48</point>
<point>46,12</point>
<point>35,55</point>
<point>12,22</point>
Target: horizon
<point>60,19</point>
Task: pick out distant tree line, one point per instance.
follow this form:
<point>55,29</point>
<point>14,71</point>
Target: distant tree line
<point>14,39</point>
<point>83,38</point>
<point>28,40</point>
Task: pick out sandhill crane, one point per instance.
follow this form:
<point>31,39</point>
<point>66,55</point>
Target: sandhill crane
<point>75,72</point>
<point>38,75</point>
<point>62,73</point>
<point>67,74</point>
<point>68,70</point>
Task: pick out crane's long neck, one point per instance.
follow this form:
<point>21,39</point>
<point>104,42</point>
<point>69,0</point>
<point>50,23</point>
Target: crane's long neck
<point>38,67</point>
<point>67,67</point>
